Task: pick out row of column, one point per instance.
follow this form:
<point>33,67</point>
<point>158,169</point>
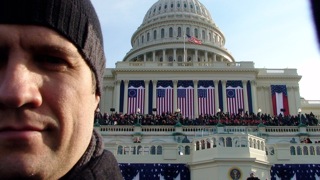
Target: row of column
<point>215,57</point>
<point>175,84</point>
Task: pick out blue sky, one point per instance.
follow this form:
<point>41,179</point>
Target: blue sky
<point>271,33</point>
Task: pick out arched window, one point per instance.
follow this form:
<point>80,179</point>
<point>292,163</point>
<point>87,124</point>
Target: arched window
<point>179,32</point>
<point>155,34</point>
<point>142,39</point>
<point>187,150</point>
<point>159,150</point>
<point>203,35</point>
<point>229,142</point>
<point>299,151</point>
<point>162,33</point>
<point>196,34</point>
<point>148,37</point>
<point>318,150</point>
<point>120,150</point>
<point>170,32</point>
<point>312,152</point>
<point>153,150</point>
<point>292,150</point>
<point>305,150</point>
<point>188,31</point>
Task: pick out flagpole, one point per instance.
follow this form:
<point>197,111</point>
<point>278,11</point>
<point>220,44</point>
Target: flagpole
<point>184,48</point>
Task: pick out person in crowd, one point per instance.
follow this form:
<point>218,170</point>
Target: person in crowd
<point>252,177</point>
<point>51,66</point>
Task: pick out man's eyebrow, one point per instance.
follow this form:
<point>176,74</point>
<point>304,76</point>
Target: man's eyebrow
<point>56,49</point>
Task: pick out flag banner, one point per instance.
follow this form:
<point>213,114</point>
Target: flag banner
<point>186,98</point>
<point>279,99</point>
<point>295,171</point>
<point>193,39</point>
<point>136,94</point>
<point>164,97</point>
<point>206,97</point>
<point>235,100</point>
<point>156,171</point>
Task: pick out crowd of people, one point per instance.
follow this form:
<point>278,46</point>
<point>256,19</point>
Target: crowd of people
<point>240,119</point>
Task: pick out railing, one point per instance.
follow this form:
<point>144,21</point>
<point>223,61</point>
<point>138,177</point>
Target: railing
<point>211,147</point>
<point>206,130</point>
<point>183,65</point>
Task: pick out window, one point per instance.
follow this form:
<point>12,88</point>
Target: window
<point>171,32</point>
<point>196,34</point>
<point>159,150</point>
<point>142,39</point>
<point>148,36</point>
<point>179,32</point>
<point>187,150</point>
<point>188,31</point>
<point>292,150</point>
<point>299,152</point>
<point>305,150</point>
<point>162,33</point>
<point>155,34</point>
<point>172,5</point>
<point>203,35</point>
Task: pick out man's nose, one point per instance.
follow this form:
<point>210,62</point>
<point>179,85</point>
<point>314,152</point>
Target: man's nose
<point>19,85</point>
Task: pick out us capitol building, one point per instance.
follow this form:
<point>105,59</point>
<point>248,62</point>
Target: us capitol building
<point>179,64</point>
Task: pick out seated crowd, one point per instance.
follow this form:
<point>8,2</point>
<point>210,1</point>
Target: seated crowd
<point>244,119</point>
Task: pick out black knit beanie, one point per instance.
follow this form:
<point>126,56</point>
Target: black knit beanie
<point>74,19</point>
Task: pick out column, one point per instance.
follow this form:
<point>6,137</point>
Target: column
<point>175,55</point>
<point>117,95</point>
<point>146,97</point>
<point>245,96</point>
<point>224,95</point>
<point>154,56</point>
<point>125,103</point>
<point>206,56</point>
<point>175,94</point>
<point>154,94</point>
<point>145,57</point>
<point>215,57</point>
<point>254,96</point>
<point>164,56</point>
<point>297,98</point>
<point>195,100</point>
<point>185,55</point>
<point>196,56</point>
<point>216,95</point>
<point>291,100</point>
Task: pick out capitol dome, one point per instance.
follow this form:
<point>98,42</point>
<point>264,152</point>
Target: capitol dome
<point>165,7</point>
<point>162,36</point>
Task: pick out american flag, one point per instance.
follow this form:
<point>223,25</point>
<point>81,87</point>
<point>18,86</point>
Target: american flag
<point>164,97</point>
<point>206,97</point>
<point>235,100</point>
<point>136,93</point>
<point>186,98</point>
<point>279,99</point>
<point>155,171</point>
<point>193,39</point>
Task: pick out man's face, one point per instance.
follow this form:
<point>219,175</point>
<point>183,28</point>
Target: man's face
<point>47,103</point>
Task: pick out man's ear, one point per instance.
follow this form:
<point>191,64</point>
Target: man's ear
<point>97,99</point>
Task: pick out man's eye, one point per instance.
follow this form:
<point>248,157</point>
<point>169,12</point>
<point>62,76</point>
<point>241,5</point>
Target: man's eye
<point>52,62</point>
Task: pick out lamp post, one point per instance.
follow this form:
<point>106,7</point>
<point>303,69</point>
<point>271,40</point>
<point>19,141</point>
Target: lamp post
<point>178,124</point>
<point>219,123</point>
<point>138,117</point>
<point>300,120</point>
<point>260,119</point>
